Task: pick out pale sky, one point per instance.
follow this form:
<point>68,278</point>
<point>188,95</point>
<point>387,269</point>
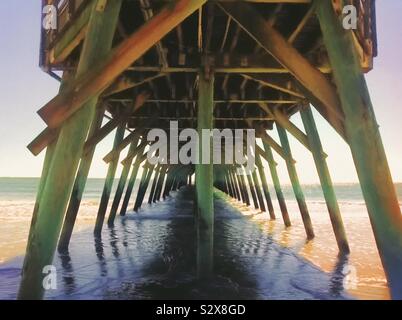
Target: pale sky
<point>24,88</point>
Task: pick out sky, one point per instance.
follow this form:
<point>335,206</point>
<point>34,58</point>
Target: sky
<point>24,88</point>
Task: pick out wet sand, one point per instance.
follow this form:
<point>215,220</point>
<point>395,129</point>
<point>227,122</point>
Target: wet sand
<point>151,255</point>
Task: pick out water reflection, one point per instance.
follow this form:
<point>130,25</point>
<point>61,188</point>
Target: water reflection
<point>68,273</point>
<point>151,255</point>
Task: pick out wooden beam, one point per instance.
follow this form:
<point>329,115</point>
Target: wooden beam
<point>315,84</point>
<point>366,144</point>
<point>266,82</point>
<point>219,69</point>
<point>124,83</point>
<point>101,75</point>
<point>243,101</point>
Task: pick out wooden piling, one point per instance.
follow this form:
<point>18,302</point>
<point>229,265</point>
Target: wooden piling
<point>258,191</point>
<point>277,185</point>
<point>131,183</point>
<point>56,192</point>
<point>159,186</point>
<point>154,183</point>
<point>294,179</point>
<point>204,180</point>
<point>107,188</point>
<point>122,183</point>
<point>142,190</point>
<point>244,189</point>
<point>252,190</point>
<point>366,144</point>
<point>325,179</point>
<point>264,184</point>
<point>79,187</point>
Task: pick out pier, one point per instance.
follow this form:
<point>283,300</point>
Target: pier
<point>128,67</point>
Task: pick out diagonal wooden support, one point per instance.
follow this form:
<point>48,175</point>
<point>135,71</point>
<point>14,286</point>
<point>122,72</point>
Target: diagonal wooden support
<point>133,136</point>
<point>264,80</point>
<point>49,135</point>
<point>297,189</point>
<point>365,143</point>
<point>100,76</point>
<point>284,121</point>
<point>243,185</point>
<point>316,87</point>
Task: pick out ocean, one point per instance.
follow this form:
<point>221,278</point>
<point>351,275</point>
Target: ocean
<point>247,236</point>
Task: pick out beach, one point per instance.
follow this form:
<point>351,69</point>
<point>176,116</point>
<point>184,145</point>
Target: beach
<point>359,275</point>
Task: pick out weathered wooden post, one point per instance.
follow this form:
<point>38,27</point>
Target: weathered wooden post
<point>252,190</point>
<point>258,191</point>
<point>159,186</point>
<point>107,189</point>
<point>154,183</point>
<point>365,142</point>
<point>144,187</point>
<point>79,186</point>
<point>294,179</point>
<point>168,184</point>
<point>67,153</point>
<point>325,178</point>
<point>144,176</point>
<point>122,183</point>
<point>130,186</point>
<point>264,184</point>
<point>204,179</point>
<point>229,185</point>
<point>243,188</point>
<point>236,183</point>
<point>277,185</point>
<point>233,183</point>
